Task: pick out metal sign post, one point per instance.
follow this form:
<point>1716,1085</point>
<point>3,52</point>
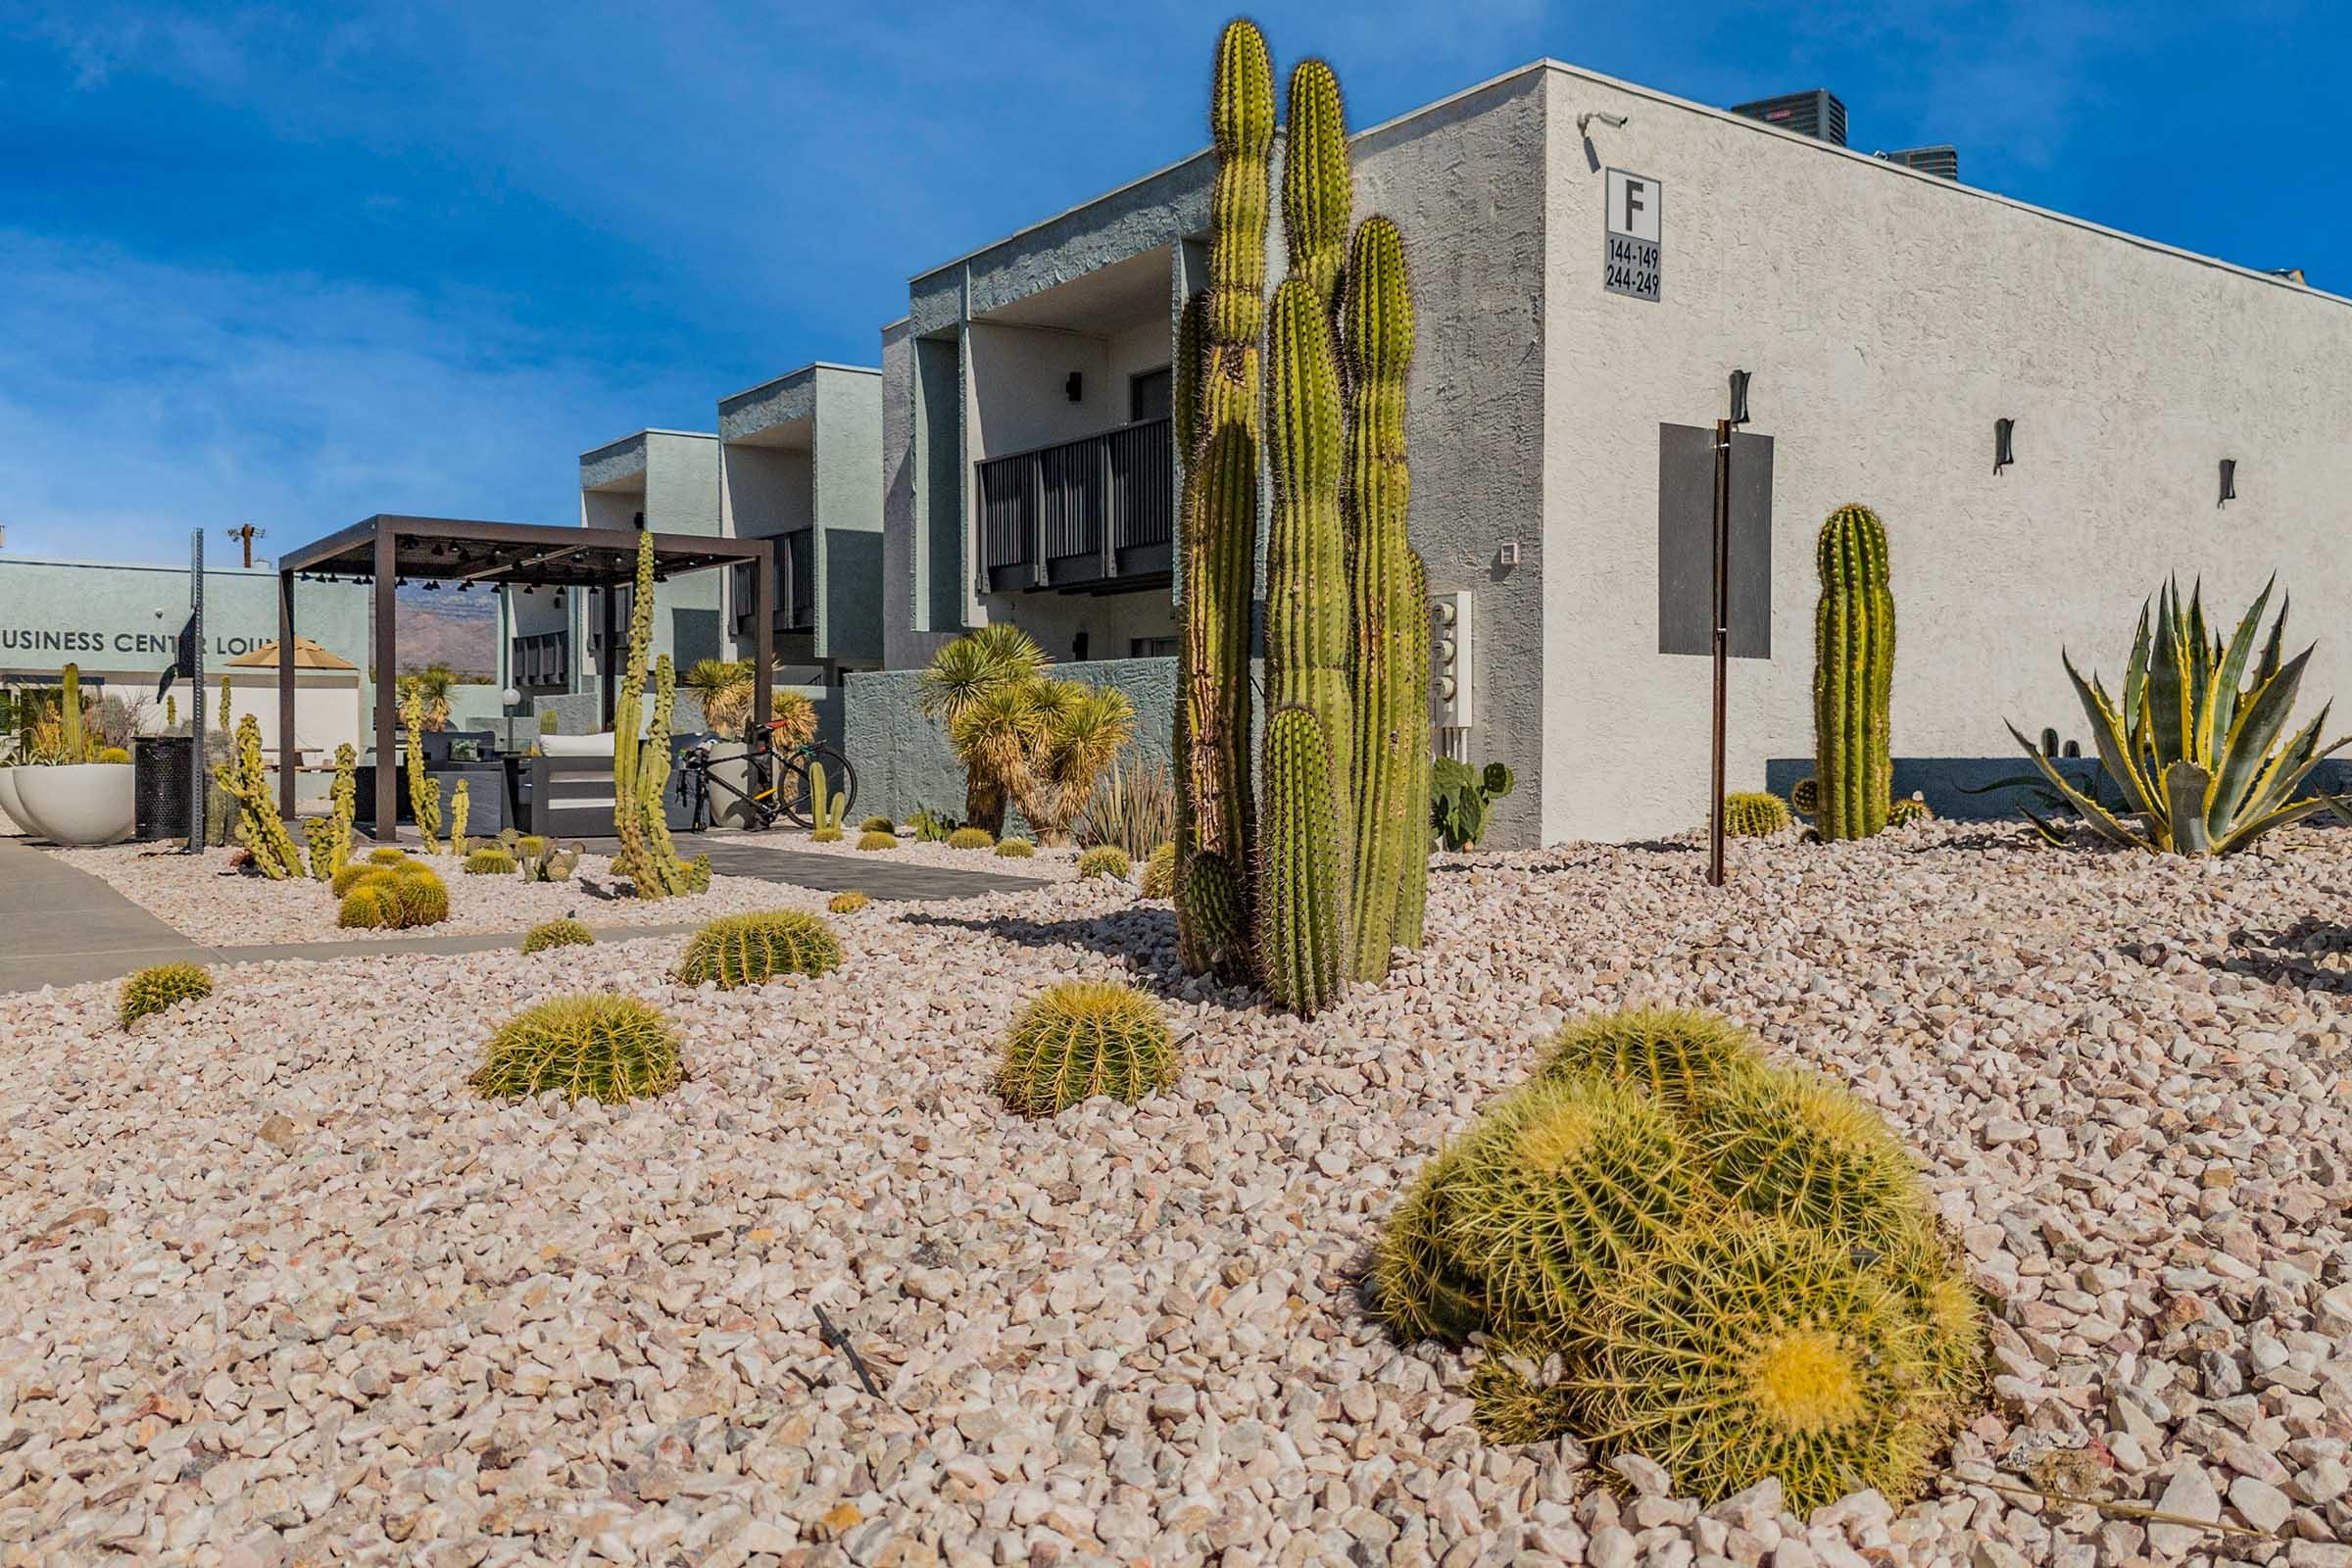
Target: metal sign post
<point>200,770</point>
<point>1722,648</point>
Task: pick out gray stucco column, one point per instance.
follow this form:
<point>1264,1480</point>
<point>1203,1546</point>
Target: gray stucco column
<point>287,757</point>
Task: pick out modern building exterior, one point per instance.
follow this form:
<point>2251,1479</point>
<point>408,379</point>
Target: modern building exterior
<point>1590,260</point>
<point>799,463</point>
<point>665,481</point>
<point>120,626</point>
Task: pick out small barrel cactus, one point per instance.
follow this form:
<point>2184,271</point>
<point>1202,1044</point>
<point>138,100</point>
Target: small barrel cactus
<point>1418,1285</point>
<point>395,896</point>
<point>1085,1038</point>
<point>154,990</point>
<point>387,855</point>
<point>529,844</point>
<point>112,754</point>
<point>372,905</point>
<point>848,902</point>
<point>1793,1145</point>
<point>1015,849</point>
<point>564,933</point>
<point>489,862</point>
<point>352,873</point>
<point>1106,860</point>
<point>877,841</point>
<point>1748,1349</point>
<point>608,1048</point>
<point>1805,798</point>
<point>970,837</point>
<point>1159,873</point>
<point>1563,1186</point>
<point>1675,1055</point>
<point>1518,1394</point>
<point>1753,816</point>
<point>878,824</point>
<point>824,835</point>
<point>746,950</point>
<point>1907,809</point>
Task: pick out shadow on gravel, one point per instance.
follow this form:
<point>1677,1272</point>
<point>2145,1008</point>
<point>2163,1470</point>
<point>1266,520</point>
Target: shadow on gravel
<point>2312,954</point>
<point>1145,936</point>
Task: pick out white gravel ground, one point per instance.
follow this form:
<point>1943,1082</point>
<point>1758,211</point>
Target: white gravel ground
<point>1049,866</point>
<point>279,1289</point>
<point>207,899</point>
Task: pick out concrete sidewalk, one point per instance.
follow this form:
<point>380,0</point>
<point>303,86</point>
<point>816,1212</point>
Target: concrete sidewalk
<point>61,927</point>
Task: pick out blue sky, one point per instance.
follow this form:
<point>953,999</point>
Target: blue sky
<point>299,264</point>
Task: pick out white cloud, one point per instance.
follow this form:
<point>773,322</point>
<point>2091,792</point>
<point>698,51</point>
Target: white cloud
<point>138,400</point>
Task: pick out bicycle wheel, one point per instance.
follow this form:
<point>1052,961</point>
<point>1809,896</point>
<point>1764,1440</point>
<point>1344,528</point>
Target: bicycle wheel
<point>792,785</point>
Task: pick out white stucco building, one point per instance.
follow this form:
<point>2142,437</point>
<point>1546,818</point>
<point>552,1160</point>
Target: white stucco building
<point>1888,318</point>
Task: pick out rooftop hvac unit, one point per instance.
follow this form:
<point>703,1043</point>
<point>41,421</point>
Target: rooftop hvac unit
<point>1942,161</point>
<point>1818,113</point>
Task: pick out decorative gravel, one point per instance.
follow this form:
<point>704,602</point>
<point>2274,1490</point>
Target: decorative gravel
<point>277,1289</point>
<point>205,899</point>
<point>1046,865</point>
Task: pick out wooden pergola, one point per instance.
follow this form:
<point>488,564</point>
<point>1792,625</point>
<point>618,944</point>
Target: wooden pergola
<point>387,550</point>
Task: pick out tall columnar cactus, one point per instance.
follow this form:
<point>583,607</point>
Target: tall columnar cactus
<point>1390,601</point>
<point>329,837</point>
<point>245,779</point>
<point>77,741</point>
<point>1310,738</point>
<point>461,800</point>
<point>641,770</point>
<point>1220,520</point>
<point>1854,676</point>
<point>1317,188</point>
<point>424,792</point>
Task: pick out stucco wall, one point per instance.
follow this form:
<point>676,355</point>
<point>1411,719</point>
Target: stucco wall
<point>901,756</point>
<point>1889,319</point>
<point>848,483</point>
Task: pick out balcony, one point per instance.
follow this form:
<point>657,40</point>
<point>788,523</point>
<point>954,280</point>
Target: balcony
<point>1092,516</point>
<point>796,585</point>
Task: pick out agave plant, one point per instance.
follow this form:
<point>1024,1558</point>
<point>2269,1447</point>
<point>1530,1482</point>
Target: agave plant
<point>2194,751</point>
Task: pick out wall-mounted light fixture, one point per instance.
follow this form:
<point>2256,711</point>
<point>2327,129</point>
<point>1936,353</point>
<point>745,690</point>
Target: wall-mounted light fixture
<point>2228,480</point>
<point>1740,381</point>
<point>1075,387</point>
<point>2004,444</point>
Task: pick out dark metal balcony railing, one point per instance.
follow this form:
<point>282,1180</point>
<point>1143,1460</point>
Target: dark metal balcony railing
<point>1081,513</point>
<point>796,584</point>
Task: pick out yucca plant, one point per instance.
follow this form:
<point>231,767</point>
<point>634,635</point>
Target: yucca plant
<point>2194,748</point>
<point>975,667</point>
<point>1046,742</point>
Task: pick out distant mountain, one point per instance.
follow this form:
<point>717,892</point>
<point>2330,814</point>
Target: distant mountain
<point>446,627</point>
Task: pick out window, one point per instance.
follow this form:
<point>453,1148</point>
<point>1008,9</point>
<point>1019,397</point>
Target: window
<point>541,661</point>
<point>1150,395</point>
<point>1150,648</point>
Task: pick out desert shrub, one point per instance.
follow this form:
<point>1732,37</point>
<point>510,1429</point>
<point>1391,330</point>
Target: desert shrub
<point>1667,1247</point>
<point>879,824</point>
<point>608,1048</point>
<point>1753,816</point>
<point>970,837</point>
<point>877,841</point>
<point>153,990</point>
<point>1085,1038</point>
<point>489,862</point>
<point>1159,873</point>
<point>557,933</point>
<point>1015,849</point>
<point>848,902</point>
<point>1104,861</point>
<point>1676,1054</point>
<point>1132,807</point>
<point>746,950</point>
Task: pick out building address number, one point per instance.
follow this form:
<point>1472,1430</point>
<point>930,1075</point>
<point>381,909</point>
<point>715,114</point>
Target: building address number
<point>1632,228</point>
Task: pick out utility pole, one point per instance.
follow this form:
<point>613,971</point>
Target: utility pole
<point>245,536</point>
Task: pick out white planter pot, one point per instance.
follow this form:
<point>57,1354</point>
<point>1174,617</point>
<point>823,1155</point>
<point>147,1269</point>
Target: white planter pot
<point>81,804</point>
<point>9,805</point>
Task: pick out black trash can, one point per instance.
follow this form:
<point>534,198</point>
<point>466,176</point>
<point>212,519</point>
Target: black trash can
<point>164,785</point>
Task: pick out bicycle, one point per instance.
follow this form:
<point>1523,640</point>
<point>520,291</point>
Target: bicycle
<point>780,784</point>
